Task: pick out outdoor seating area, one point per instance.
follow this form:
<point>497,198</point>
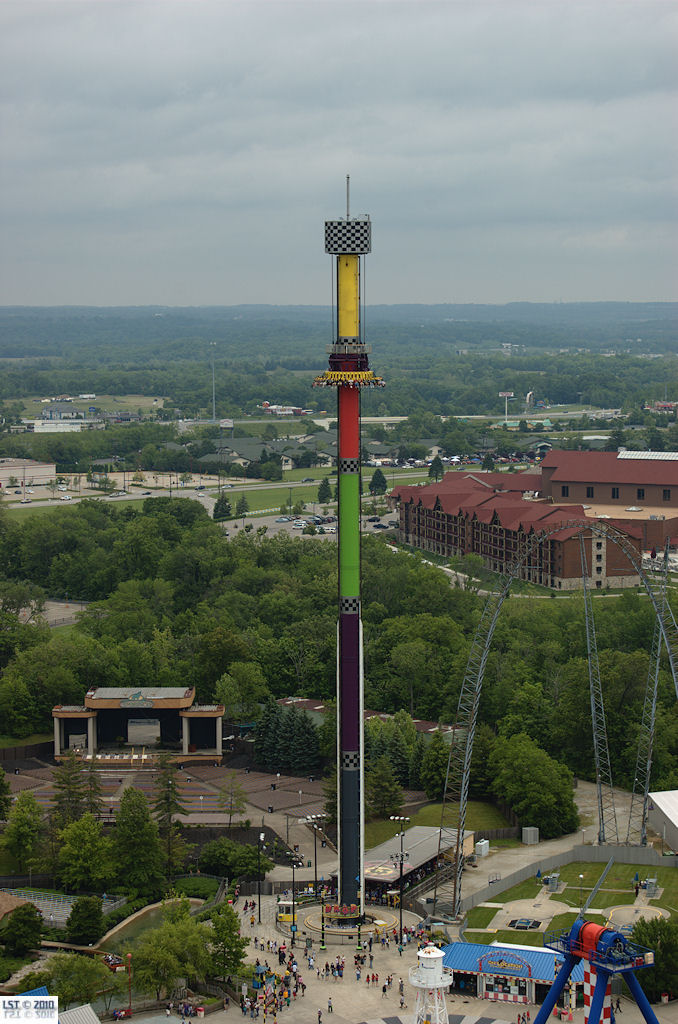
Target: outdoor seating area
<point>56,907</point>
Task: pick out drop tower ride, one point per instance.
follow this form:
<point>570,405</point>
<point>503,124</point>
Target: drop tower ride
<point>347,240</point>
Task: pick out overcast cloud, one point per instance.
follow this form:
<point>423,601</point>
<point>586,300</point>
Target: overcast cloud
<point>188,153</point>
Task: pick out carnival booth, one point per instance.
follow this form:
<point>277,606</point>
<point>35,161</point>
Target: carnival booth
<point>507,973</point>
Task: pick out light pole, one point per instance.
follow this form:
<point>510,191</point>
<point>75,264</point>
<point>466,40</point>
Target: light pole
<point>322,920</point>
<point>399,858</point>
<point>129,983</point>
<point>313,820</point>
<point>293,927</point>
<point>262,836</point>
<point>581,898</point>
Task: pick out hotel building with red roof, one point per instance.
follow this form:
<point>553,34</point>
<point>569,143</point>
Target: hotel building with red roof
<point>494,514</point>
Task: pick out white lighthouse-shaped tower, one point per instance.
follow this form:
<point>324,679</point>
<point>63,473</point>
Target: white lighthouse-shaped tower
<point>430,979</point>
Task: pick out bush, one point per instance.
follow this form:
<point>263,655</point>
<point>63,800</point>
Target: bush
<point>86,921</point>
<point>197,887</point>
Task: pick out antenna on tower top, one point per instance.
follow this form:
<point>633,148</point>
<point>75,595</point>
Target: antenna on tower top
<point>348,196</point>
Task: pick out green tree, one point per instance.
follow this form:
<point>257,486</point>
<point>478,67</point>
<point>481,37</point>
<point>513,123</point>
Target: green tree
<point>22,930</point>
<point>222,508</point>
<point>304,753</point>
<point>138,849</point>
<point>69,786</point>
<point>242,507</point>
<point>228,945</point>
<point>434,766</point>
<point>324,491</point>
<point>436,469</point>
<point>537,788</point>
<point>330,797</point>
<point>232,797</point>
<point>85,924</point>
<point>166,806</point>
<point>86,855</point>
<point>77,979</point>
<point>383,795</point>
<point>178,948</point>
<point>661,935</point>
<point>22,835</point>
<point>94,803</point>
<point>378,484</point>
<point>488,463</point>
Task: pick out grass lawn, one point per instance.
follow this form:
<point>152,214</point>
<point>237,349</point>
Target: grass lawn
<point>36,737</point>
<point>63,630</point>
<point>562,921</point>
<point>480,917</point>
<point>522,891</point>
<point>516,938</point>
<point>479,815</point>
<point>667,879</point>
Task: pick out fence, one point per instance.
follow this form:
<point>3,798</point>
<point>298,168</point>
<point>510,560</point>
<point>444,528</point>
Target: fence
<point>644,855</point>
<point>56,907</point>
<point>41,751</point>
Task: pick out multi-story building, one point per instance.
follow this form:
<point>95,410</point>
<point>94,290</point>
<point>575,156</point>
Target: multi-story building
<point>623,480</point>
<point>495,515</point>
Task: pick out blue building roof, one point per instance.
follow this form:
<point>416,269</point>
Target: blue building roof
<point>511,961</point>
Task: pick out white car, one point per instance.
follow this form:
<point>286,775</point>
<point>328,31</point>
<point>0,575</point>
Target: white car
<point>65,497</point>
<point>299,525</point>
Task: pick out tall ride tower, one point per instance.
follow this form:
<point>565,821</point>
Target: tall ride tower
<point>347,240</point>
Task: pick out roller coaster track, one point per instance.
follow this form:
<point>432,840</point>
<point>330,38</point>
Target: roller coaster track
<point>636,833</point>
<point>607,817</point>
<point>447,891</point>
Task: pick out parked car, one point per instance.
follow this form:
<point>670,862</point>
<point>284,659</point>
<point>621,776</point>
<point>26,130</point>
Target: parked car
<point>380,526</point>
<point>18,490</point>
<point>65,497</point>
<point>373,519</point>
<point>393,522</point>
<point>283,519</point>
<point>307,480</point>
<point>299,525</point>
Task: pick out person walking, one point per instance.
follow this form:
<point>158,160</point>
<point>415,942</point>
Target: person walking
<point>320,1016</point>
<point>330,1008</point>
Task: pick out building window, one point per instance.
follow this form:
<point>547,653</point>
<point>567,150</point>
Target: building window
<point>615,492</point>
<point>564,491</point>
<point>599,545</point>
<point>666,494</point>
<point>599,569</point>
<point>599,558</point>
<point>589,492</point>
<point>640,493</point>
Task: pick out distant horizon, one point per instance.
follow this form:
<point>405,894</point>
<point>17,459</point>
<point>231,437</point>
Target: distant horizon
<point>327,305</point>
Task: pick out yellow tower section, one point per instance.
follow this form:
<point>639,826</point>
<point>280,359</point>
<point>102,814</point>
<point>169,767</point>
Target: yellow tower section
<point>348,296</point>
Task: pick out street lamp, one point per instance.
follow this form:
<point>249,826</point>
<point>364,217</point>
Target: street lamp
<point>399,858</point>
<point>322,920</point>
<point>293,927</point>
<point>581,898</point>
<point>312,819</point>
<point>262,836</point>
<point>129,983</point>
<point>201,800</point>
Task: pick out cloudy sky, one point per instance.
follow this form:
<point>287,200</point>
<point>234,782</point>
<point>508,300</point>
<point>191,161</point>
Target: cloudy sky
<point>188,153</point>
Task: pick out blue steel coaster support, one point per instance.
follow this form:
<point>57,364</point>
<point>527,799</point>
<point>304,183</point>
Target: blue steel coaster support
<point>607,816</point>
<point>562,978</point>
<point>608,952</point>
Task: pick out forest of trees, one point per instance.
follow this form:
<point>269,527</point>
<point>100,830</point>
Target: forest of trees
<point>174,602</point>
<point>442,359</point>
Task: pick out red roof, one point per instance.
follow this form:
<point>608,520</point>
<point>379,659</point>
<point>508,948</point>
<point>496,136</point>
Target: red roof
<point>607,468</point>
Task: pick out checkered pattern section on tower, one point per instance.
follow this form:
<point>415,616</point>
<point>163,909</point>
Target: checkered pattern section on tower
<point>349,605</point>
<point>350,759</point>
<point>349,465</point>
<point>352,237</point>
<point>589,986</point>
